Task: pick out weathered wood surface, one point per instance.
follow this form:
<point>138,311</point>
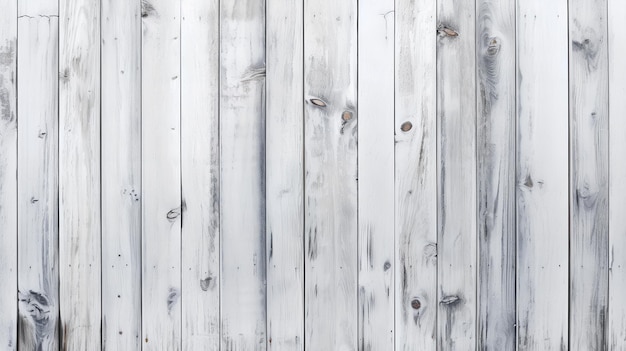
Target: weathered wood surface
<point>38,207</point>
<point>242,191</point>
<point>190,174</point>
<point>495,98</point>
<point>589,168</point>
<point>457,202</point>
<point>542,175</point>
<point>161,176</point>
<point>376,175</point>
<point>8,175</point>
<point>79,175</point>
<point>121,174</point>
<point>285,175</point>
<point>415,175</point>
<point>616,314</point>
<point>200,175</point>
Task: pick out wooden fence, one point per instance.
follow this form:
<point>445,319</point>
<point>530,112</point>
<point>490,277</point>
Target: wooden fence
<point>191,175</point>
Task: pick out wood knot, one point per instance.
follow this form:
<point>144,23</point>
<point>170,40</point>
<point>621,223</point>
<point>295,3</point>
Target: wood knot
<point>318,102</point>
<point>406,126</point>
<point>416,304</point>
<point>346,116</point>
<point>445,31</point>
<point>450,300</point>
<point>386,266</point>
<point>494,46</point>
<point>172,215</point>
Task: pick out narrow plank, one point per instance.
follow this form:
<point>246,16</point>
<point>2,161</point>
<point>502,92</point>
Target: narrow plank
<point>161,176</point>
<point>495,98</point>
<point>542,175</point>
<point>457,216</point>
<point>200,174</point>
<point>79,174</point>
<point>376,175</point>
<point>242,191</point>
<point>8,175</point>
<point>589,162</point>
<point>617,175</point>
<point>285,175</point>
<point>331,228</point>
<point>121,175</point>
<point>416,175</point>
<point>38,150</point>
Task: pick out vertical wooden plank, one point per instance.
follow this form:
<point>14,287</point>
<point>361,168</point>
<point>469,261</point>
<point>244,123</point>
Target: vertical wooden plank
<point>495,98</point>
<point>617,175</point>
<point>200,174</point>
<point>416,175</point>
<point>542,175</point>
<point>330,91</point>
<point>79,174</point>
<point>589,158</point>
<point>242,197</point>
<point>457,216</point>
<point>376,174</point>
<point>161,177</point>
<point>121,175</point>
<point>38,148</point>
<point>8,175</point>
<point>285,175</point>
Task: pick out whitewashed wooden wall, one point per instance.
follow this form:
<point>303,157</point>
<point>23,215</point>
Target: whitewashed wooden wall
<point>318,175</point>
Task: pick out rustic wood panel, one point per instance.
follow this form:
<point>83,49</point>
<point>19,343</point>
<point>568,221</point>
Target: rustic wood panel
<point>79,175</point>
<point>121,174</point>
<point>330,157</point>
<point>376,175</point>
<point>495,98</point>
<point>161,175</point>
<point>616,323</point>
<point>415,175</point>
<point>457,216</point>
<point>242,194</point>
<point>8,174</point>
<point>200,175</point>
<point>38,201</point>
<point>542,175</point>
<point>589,160</point>
<point>285,175</point>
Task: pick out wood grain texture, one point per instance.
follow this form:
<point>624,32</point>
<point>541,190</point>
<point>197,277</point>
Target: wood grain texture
<point>589,166</point>
<point>200,174</point>
<point>242,195</point>
<point>495,98</point>
<point>79,174</point>
<point>542,175</point>
<point>330,92</point>
<point>416,175</point>
<point>284,177</point>
<point>161,175</point>
<point>457,216</point>
<point>617,176</point>
<point>8,175</point>
<point>376,175</point>
<point>121,174</point>
<point>38,152</point>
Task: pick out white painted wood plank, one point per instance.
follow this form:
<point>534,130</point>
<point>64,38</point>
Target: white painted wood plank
<point>330,66</point>
<point>542,175</point>
<point>285,178</point>
<point>8,175</point>
<point>416,175</point>
<point>200,174</point>
<point>79,174</point>
<point>242,195</point>
<point>617,175</point>
<point>161,176</point>
<point>589,162</point>
<point>376,174</point>
<point>121,175</point>
<point>495,98</point>
<point>457,216</point>
<point>38,152</point>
